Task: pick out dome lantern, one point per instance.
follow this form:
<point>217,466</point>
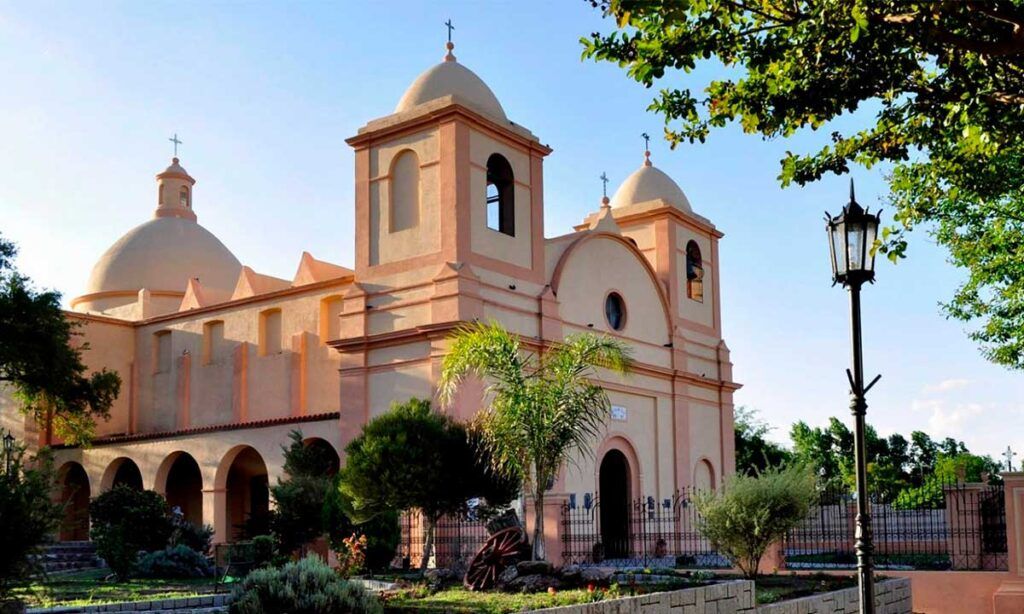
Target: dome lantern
<point>174,192</point>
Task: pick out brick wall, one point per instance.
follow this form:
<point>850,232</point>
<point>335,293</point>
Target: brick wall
<point>891,597</point>
<point>736,597</point>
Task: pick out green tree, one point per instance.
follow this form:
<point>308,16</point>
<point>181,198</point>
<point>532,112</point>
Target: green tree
<point>410,457</point>
<point>126,521</point>
<point>382,531</point>
<point>754,453</point>
<point>934,88</point>
<point>28,514</point>
<point>543,407</point>
<point>300,493</point>
<point>40,362</point>
<point>751,512</point>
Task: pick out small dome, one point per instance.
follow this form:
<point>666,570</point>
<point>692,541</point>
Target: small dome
<point>449,78</point>
<point>163,254</point>
<point>175,169</point>
<point>649,183</point>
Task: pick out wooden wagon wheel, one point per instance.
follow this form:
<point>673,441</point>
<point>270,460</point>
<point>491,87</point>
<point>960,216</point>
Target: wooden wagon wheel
<point>500,550</point>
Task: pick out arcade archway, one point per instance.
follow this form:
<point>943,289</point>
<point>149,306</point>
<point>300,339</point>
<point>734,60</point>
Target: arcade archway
<point>74,494</point>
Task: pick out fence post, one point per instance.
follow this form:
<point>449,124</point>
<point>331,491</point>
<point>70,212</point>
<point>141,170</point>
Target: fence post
<point>1009,598</point>
<point>963,517</point>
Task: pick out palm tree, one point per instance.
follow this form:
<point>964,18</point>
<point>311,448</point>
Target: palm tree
<point>544,407</point>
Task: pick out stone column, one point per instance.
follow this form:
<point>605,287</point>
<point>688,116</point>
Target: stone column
<point>1009,598</point>
<point>215,513</point>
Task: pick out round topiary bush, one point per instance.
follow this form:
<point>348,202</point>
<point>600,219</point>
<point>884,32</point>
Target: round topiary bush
<point>174,562</point>
<point>308,586</point>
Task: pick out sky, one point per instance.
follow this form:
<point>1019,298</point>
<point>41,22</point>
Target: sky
<point>263,94</point>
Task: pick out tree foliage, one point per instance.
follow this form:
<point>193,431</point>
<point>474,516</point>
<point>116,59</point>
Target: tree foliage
<point>543,407</point>
<point>935,87</point>
<point>39,359</point>
<point>125,521</point>
<point>28,514</point>
<point>300,493</point>
<point>411,457</point>
<point>750,512</point>
<point>382,532</point>
<point>754,453</point>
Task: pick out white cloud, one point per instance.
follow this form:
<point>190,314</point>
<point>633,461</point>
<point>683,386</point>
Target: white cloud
<point>948,419</point>
<point>947,385</point>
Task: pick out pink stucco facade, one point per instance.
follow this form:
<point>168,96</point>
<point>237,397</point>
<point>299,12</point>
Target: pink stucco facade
<point>222,371</point>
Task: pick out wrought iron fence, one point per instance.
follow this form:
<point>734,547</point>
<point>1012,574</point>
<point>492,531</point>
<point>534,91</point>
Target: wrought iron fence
<point>456,540</point>
<point>644,531</point>
<point>963,529</point>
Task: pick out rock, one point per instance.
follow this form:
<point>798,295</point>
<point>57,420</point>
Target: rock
<point>533,583</point>
<point>510,574</point>
<point>437,577</point>
<point>597,574</point>
<point>529,568</point>
<point>571,574</point>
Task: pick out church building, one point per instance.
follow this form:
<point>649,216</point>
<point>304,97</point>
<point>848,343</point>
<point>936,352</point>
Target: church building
<point>220,362</point>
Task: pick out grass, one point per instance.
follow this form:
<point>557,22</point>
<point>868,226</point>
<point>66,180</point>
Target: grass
<point>460,600</point>
<point>91,588</point>
<point>773,588</point>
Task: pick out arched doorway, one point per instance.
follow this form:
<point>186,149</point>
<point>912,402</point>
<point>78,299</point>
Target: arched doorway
<point>74,494</point>
<point>183,486</point>
<point>248,496</point>
<point>614,485</point>
<point>326,456</point>
<point>122,472</point>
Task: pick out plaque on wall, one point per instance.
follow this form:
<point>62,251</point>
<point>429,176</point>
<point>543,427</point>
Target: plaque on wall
<point>619,413</point>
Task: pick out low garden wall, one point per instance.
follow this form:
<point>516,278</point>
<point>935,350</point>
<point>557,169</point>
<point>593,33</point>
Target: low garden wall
<point>737,597</point>
<point>891,597</point>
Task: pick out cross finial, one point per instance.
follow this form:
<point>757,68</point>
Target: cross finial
<point>450,28</point>
<point>647,149</point>
<point>604,181</point>
<point>1008,455</point>
<point>176,142</point>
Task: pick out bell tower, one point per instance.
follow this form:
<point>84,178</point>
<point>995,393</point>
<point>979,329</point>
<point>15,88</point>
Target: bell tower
<point>174,192</point>
<point>448,180</point>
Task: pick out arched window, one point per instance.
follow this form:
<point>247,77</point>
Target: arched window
<point>162,351</point>
<point>501,206</point>
<point>270,332</point>
<point>405,191</point>
<point>183,195</point>
<point>694,273</point>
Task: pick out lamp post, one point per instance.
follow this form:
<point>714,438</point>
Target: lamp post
<point>8,453</point>
<point>851,235</point>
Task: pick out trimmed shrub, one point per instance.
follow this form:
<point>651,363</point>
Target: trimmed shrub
<point>308,586</point>
<point>184,533</point>
<point>174,562</point>
<point>125,521</point>
<point>750,512</point>
<point>264,551</point>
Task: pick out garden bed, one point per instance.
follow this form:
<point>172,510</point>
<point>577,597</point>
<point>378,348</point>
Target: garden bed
<point>91,588</point>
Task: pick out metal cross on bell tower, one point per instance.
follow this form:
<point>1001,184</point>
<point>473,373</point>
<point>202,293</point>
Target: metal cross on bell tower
<point>604,184</point>
<point>450,28</point>
<point>176,142</point>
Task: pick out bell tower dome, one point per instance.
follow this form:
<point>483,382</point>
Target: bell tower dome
<point>174,192</point>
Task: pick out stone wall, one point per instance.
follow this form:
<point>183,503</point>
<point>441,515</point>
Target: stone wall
<point>891,597</point>
<point>736,597</point>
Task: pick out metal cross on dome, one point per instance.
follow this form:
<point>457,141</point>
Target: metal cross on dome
<point>450,28</point>
<point>1008,455</point>
<point>176,142</point>
<point>647,141</point>
<point>604,181</point>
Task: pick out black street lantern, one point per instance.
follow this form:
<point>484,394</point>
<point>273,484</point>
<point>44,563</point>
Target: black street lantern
<point>851,237</point>
<point>8,453</point>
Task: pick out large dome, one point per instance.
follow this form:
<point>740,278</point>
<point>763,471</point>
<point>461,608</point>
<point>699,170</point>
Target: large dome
<point>449,78</point>
<point>162,255</point>
<point>649,183</point>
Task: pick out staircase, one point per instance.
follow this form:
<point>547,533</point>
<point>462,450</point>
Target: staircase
<point>63,557</point>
